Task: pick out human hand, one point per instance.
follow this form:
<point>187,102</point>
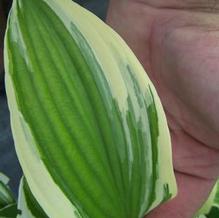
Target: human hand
<point>178,44</point>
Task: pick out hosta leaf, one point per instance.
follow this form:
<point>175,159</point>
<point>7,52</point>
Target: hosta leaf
<point>217,194</point>
<point>27,203</point>
<point>89,129</point>
<point>211,207</point>
<point>214,212</point>
<point>8,205</point>
<point>6,196</point>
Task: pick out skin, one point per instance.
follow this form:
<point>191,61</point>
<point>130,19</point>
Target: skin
<point>177,41</point>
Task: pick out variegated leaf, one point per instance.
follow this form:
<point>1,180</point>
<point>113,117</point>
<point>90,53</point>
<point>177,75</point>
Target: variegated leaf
<point>89,128</point>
